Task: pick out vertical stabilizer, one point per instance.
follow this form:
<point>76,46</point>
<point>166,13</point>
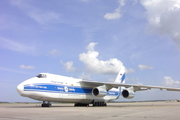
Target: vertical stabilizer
<point>120,78</point>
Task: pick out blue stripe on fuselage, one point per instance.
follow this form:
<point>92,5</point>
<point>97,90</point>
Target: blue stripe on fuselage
<point>63,89</point>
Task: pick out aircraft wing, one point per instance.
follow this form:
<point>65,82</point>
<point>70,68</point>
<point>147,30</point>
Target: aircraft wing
<point>116,85</point>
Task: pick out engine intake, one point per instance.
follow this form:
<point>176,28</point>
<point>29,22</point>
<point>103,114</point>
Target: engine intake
<point>128,93</point>
<point>99,91</point>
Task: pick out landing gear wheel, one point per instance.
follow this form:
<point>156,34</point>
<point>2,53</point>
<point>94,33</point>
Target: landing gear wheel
<point>46,104</point>
<point>81,105</point>
<point>103,104</point>
<point>49,104</point>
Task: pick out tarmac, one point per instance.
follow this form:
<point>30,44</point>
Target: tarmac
<point>113,111</point>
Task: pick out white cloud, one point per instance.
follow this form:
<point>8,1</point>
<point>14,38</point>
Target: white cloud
<point>53,52</point>
<point>163,17</point>
<point>90,47</point>
<point>135,56</point>
<point>130,70</point>
<point>43,18</point>
<point>117,12</point>
<point>68,66</point>
<point>111,16</point>
<point>15,71</point>
<point>16,46</point>
<point>111,80</point>
<point>84,0</point>
<point>84,76</point>
<point>142,67</point>
<point>94,65</point>
<point>26,67</point>
<point>139,83</point>
<point>168,81</point>
<point>40,16</point>
<point>132,79</point>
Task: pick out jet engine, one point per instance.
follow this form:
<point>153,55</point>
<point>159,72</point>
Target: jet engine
<point>99,91</point>
<point>128,93</point>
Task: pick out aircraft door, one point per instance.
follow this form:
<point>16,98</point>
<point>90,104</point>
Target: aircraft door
<point>60,95</point>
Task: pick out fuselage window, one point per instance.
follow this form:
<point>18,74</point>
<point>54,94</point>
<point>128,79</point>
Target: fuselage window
<point>41,76</point>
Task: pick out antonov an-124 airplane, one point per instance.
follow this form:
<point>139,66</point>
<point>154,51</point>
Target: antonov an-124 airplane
<point>55,88</point>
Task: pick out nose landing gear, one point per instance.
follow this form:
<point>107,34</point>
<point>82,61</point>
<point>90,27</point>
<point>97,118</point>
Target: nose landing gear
<point>46,104</point>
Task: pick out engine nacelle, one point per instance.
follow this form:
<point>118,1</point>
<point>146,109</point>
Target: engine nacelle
<point>128,93</point>
<point>99,91</point>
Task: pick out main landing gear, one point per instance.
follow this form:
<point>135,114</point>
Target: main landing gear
<point>81,105</point>
<point>100,104</point>
<point>95,104</point>
<point>46,104</point>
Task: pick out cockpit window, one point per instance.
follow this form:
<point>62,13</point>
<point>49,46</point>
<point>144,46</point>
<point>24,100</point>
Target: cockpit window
<point>41,76</point>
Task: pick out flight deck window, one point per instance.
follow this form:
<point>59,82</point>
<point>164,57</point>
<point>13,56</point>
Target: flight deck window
<point>41,76</point>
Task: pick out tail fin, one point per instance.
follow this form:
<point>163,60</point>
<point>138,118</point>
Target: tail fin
<point>120,78</point>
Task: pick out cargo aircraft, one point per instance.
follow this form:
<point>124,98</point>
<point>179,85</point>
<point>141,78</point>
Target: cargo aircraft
<point>56,88</point>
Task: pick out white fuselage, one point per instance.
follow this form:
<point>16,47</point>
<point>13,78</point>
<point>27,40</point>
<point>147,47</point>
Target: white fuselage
<point>56,88</point>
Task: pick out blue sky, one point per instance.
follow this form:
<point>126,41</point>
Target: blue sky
<point>91,40</point>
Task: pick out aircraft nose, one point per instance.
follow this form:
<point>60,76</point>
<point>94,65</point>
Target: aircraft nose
<point>20,89</point>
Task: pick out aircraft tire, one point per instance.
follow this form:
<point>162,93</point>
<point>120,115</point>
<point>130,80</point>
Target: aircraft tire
<point>44,104</point>
<point>103,104</point>
<point>81,105</point>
